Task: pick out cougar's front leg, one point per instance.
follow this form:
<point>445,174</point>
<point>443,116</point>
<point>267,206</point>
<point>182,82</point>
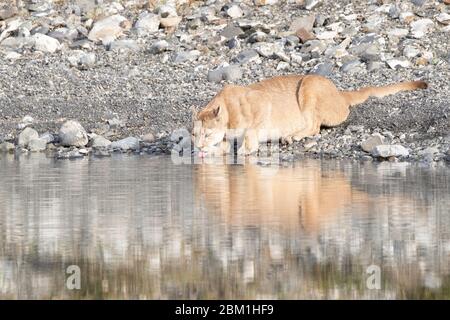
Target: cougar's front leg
<point>250,144</point>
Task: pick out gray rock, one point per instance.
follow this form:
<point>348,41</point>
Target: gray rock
<point>420,28</point>
<point>130,143</point>
<point>311,4</point>
<point>229,73</point>
<point>100,142</point>
<point>375,140</point>
<point>388,150</point>
<point>26,136</point>
<point>235,12</point>
<point>231,31</point>
<point>72,133</point>
<point>149,138</point>
<point>147,23</point>
<point>48,137</point>
<point>108,29</point>
<point>257,36</point>
<point>418,2</point>
<point>7,147</point>
<point>45,43</point>
<point>246,56</point>
<point>352,66</point>
<point>184,56</point>
<point>37,145</point>
<point>323,69</point>
<point>127,44</point>
<point>159,46</point>
<point>305,23</point>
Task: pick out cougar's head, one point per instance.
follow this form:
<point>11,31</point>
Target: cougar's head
<point>210,125</point>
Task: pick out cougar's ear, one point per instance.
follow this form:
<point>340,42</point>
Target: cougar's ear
<point>216,111</point>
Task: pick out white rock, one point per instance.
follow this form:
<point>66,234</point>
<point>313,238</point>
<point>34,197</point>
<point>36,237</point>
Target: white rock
<point>400,62</point>
<point>37,145</point>
<point>265,2</point>
<point>72,133</point>
<point>147,23</point>
<point>283,65</point>
<point>130,143</point>
<point>327,35</point>
<point>388,150</point>
<point>26,136</point>
<point>100,142</point>
<point>45,43</point>
<point>235,11</point>
<point>420,27</point>
<point>443,18</point>
<point>108,29</point>
<point>398,32</point>
<point>411,51</point>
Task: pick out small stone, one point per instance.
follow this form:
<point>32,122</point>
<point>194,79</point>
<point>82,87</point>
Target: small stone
<point>147,23</point>
<point>351,66</point>
<point>411,51</point>
<point>282,65</point>
<point>37,145</point>
<point>443,18</point>
<point>7,147</point>
<point>400,62</point>
<point>375,140</point>
<point>418,2</point>
<point>305,23</point>
<point>130,143</point>
<point>305,35</point>
<point>231,31</point>
<point>398,32</point>
<point>387,150</point>
<point>246,56</point>
<point>235,12</point>
<point>265,2</point>
<point>311,4</point>
<point>228,73</point>
<point>72,133</point>
<point>47,137</point>
<point>421,27</point>
<point>123,45</point>
<point>170,22</point>
<point>45,43</point>
<point>108,29</point>
<point>258,36</point>
<point>26,136</point>
<point>159,47</point>
<point>184,56</point>
<point>149,138</point>
<point>99,142</point>
<point>323,69</point>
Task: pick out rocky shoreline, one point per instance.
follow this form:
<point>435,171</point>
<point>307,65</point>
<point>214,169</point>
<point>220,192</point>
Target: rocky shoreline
<point>128,72</point>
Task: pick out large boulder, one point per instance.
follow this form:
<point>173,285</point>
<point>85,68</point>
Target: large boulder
<point>72,133</point>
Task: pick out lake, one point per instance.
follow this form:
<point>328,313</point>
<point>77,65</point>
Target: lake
<point>142,227</point>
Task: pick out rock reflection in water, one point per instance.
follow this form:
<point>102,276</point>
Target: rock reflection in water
<point>142,227</point>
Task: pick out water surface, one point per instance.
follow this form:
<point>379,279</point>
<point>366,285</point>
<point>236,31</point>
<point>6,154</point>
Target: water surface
<point>143,227</point>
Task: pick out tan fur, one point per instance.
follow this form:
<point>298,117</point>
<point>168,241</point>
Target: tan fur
<point>294,106</point>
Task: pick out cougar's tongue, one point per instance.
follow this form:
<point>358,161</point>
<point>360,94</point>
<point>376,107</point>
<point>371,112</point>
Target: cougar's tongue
<point>202,154</point>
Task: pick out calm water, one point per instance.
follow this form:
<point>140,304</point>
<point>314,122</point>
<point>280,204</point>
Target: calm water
<point>142,227</point>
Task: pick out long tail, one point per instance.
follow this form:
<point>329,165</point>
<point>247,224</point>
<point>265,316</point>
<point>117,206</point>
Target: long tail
<point>361,95</point>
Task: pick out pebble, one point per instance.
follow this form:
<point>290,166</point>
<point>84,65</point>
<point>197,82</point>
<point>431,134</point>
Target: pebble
<point>229,73</point>
<point>235,12</point>
<point>159,46</point>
